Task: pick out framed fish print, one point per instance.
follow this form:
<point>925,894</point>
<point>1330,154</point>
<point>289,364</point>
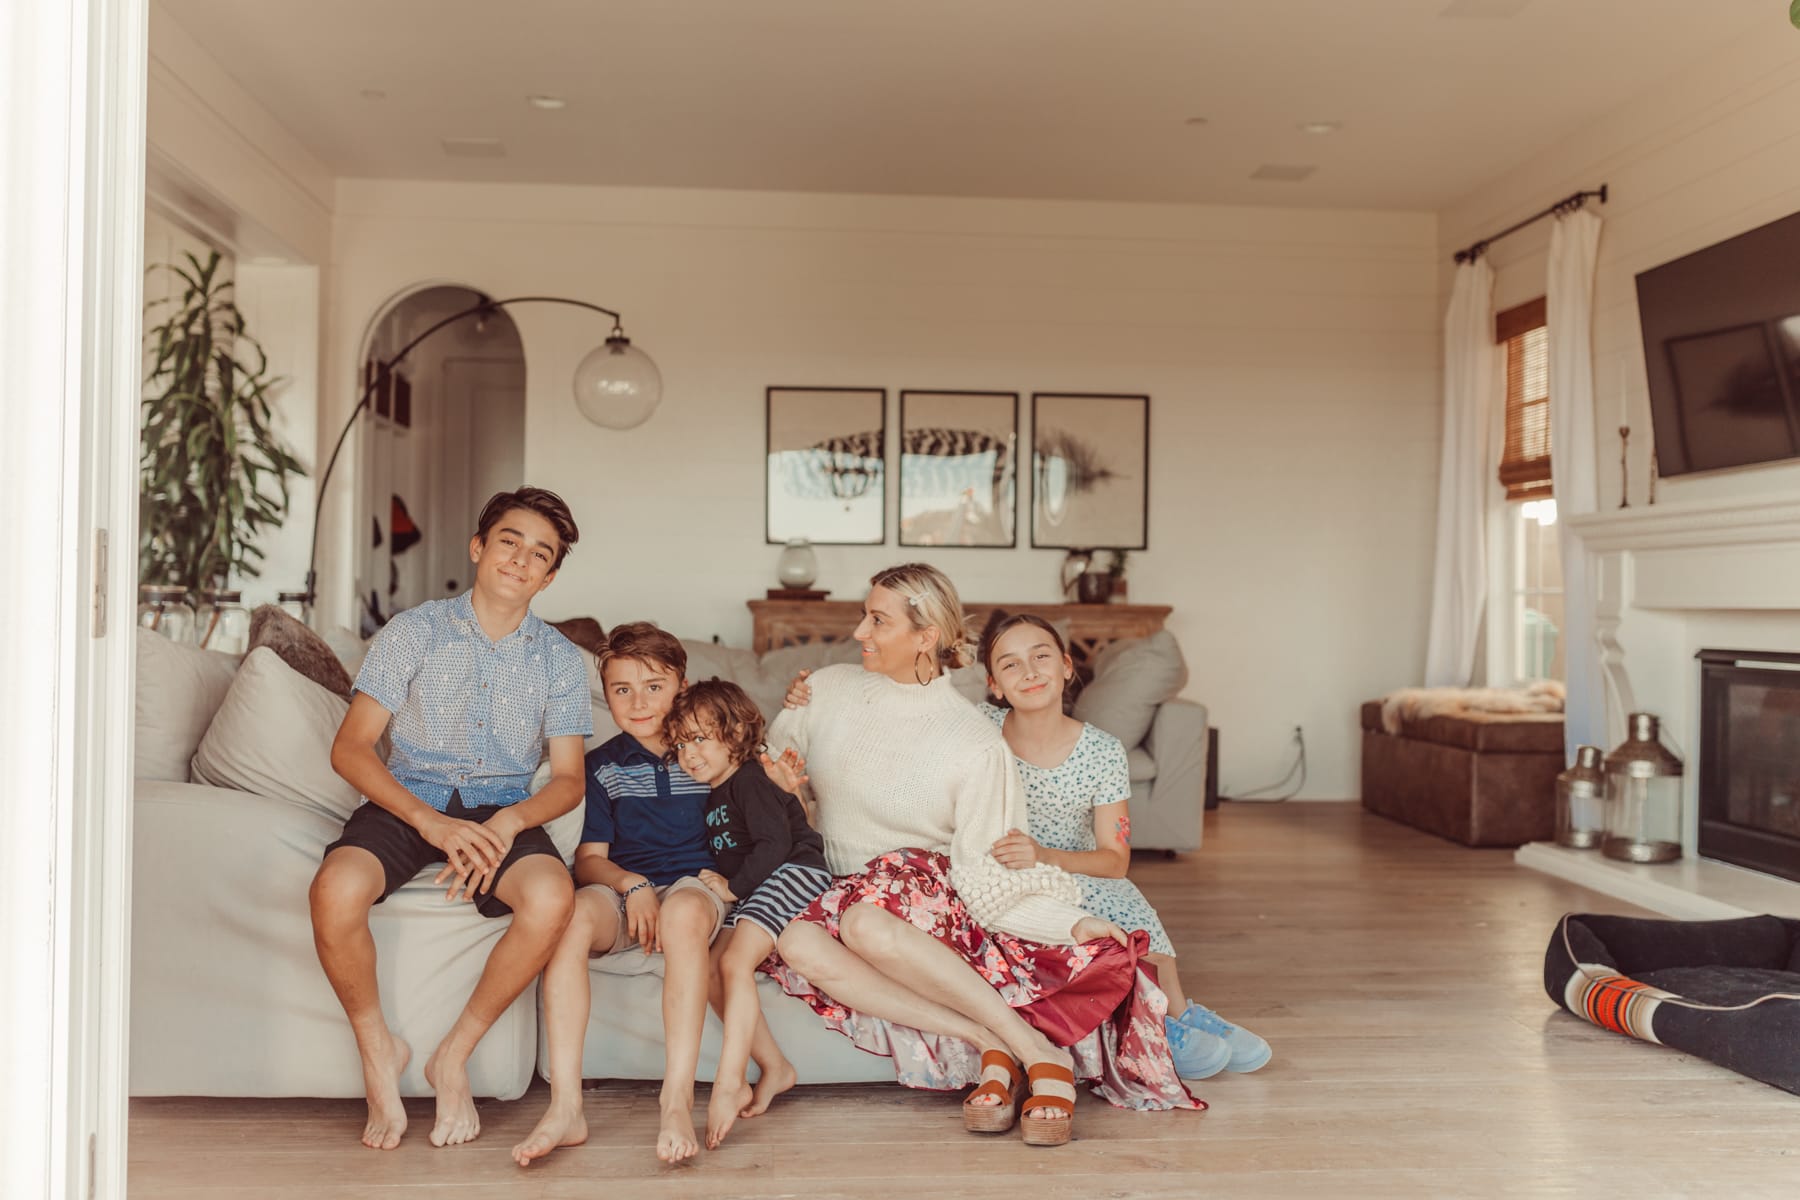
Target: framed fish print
<point>826,477</point>
<point>959,468</point>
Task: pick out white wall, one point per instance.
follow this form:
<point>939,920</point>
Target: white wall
<point>1292,358</point>
<point>1709,155</point>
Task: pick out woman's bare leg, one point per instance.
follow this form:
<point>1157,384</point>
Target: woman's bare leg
<point>838,972</point>
<point>1169,981</point>
<point>902,951</point>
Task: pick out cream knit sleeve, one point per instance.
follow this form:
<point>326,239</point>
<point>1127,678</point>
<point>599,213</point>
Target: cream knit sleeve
<point>1042,902</point>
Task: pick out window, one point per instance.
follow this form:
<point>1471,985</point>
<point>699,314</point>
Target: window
<point>1526,635</point>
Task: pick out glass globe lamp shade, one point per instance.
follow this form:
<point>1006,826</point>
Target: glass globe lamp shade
<point>617,386</point>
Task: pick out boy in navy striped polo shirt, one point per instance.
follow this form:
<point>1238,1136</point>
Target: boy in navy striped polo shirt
<point>636,874</point>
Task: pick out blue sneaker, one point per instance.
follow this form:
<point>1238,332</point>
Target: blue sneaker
<point>1248,1052</point>
<point>1197,1054</point>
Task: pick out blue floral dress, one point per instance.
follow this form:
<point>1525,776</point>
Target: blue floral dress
<point>1060,803</point>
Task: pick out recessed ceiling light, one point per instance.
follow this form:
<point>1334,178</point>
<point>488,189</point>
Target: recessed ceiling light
<point>1282,173</point>
<point>373,94</point>
<point>1196,121</point>
<point>1320,127</point>
<point>550,103</point>
<point>474,148</point>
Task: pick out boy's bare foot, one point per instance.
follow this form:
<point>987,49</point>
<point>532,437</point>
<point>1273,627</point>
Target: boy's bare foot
<point>722,1111</point>
<point>381,1084</point>
<point>769,1084</point>
<point>675,1140</point>
<point>559,1126</point>
<point>457,1121</point>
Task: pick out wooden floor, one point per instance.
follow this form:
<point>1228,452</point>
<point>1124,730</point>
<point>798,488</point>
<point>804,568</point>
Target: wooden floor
<point>1398,977</point>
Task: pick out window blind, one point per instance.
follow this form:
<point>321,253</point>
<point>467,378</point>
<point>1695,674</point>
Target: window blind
<point>1525,460</point>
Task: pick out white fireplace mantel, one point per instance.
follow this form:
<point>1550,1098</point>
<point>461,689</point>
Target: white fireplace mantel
<point>1670,579</point>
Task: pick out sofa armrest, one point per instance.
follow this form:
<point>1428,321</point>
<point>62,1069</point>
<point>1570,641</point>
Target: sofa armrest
<point>1177,800</point>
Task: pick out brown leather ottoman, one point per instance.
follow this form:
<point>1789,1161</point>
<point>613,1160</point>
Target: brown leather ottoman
<point>1483,779</point>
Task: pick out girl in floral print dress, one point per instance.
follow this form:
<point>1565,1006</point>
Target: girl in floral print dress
<point>1076,787</point>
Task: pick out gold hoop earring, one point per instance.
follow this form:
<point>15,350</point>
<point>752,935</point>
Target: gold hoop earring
<point>916,672</point>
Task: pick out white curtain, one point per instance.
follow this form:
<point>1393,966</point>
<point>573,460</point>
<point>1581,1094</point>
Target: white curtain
<point>1465,478</point>
<point>1569,309</point>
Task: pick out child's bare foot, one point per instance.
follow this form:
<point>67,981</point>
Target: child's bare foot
<point>722,1111</point>
<point>561,1125</point>
<point>457,1121</point>
<point>770,1084</point>
<point>381,1084</point>
<point>675,1140</point>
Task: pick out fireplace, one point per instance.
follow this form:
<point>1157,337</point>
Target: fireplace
<point>1750,760</point>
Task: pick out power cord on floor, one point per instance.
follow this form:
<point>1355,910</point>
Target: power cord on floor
<point>1254,795</point>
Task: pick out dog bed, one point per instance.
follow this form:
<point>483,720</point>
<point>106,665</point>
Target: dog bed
<point>1725,991</point>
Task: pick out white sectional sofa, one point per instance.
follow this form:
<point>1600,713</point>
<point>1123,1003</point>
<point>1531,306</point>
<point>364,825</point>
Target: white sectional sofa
<point>235,802</point>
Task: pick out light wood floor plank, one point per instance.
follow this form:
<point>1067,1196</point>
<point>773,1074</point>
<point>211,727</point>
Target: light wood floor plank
<point>1398,976</point>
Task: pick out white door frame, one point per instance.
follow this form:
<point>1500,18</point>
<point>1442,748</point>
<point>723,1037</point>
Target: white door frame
<point>72,106</point>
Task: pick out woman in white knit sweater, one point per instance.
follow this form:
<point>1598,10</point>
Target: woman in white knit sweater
<point>924,932</point>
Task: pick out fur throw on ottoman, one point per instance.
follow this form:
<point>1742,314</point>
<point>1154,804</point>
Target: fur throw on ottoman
<point>1418,704</point>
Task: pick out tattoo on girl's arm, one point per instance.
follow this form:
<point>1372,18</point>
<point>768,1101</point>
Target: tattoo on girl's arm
<point>1125,830</point>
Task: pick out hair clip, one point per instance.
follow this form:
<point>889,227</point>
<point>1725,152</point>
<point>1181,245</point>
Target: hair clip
<point>912,601</point>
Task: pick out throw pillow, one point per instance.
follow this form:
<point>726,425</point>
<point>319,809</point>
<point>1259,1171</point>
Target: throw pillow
<point>1132,678</point>
<point>300,648</point>
<point>584,632</point>
<point>179,688</point>
<point>272,736</point>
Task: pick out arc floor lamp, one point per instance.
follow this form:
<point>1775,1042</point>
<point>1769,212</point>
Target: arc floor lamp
<point>617,386</point>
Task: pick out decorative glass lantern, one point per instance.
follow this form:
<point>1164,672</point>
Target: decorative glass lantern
<point>1581,801</point>
<point>164,608</point>
<point>1643,796</point>
<point>221,622</point>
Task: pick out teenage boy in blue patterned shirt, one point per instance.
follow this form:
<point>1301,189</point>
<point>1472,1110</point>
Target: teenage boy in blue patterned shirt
<point>470,689</point>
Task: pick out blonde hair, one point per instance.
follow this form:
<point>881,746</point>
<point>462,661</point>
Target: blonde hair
<point>932,603</point>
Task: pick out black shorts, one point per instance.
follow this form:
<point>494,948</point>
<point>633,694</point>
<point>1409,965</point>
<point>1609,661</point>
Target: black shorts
<point>403,853</point>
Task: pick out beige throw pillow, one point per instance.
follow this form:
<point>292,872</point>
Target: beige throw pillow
<point>1132,678</point>
<point>179,688</point>
<point>273,735</point>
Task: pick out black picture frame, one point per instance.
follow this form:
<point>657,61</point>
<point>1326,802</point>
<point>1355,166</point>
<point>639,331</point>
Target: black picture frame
<point>825,465</point>
<point>1090,470</point>
<point>959,443</point>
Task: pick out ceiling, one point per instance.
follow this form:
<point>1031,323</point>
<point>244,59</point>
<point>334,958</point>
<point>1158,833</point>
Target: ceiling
<point>1072,99</point>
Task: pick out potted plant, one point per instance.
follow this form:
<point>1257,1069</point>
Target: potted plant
<point>213,473</point>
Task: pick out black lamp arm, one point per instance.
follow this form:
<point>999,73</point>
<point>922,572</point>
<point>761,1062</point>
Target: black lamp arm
<point>381,371</point>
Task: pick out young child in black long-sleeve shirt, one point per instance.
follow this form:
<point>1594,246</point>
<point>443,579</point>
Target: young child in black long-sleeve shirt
<point>770,864</point>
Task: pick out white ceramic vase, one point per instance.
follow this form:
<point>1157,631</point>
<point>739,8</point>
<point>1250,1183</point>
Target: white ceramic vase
<point>798,566</point>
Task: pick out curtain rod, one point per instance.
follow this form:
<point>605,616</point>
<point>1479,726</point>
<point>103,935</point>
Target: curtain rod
<point>1566,204</point>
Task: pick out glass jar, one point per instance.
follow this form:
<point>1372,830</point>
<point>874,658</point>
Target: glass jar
<point>1643,796</point>
<point>294,605</point>
<point>221,622</point>
<point>1581,801</point>
<point>164,608</point>
<point>798,566</point>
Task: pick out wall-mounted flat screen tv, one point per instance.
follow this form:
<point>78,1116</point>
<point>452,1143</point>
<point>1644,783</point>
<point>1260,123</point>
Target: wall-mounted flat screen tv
<point>1722,351</point>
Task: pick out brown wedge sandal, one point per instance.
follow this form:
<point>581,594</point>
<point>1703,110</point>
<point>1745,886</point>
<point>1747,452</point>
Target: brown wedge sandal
<point>999,1077</point>
<point>1051,1086</point>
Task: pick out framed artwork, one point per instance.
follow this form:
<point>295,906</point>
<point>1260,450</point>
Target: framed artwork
<point>826,464</point>
<point>959,468</point>
<point>1090,470</point>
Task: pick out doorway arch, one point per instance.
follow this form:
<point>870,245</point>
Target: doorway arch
<point>443,432</point>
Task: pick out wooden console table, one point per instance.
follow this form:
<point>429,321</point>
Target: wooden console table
<point>1091,627</point>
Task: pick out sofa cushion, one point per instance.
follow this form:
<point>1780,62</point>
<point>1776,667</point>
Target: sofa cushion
<point>272,736</point>
<point>1132,677</point>
<point>300,648</point>
<point>179,688</point>
<point>1140,767</point>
